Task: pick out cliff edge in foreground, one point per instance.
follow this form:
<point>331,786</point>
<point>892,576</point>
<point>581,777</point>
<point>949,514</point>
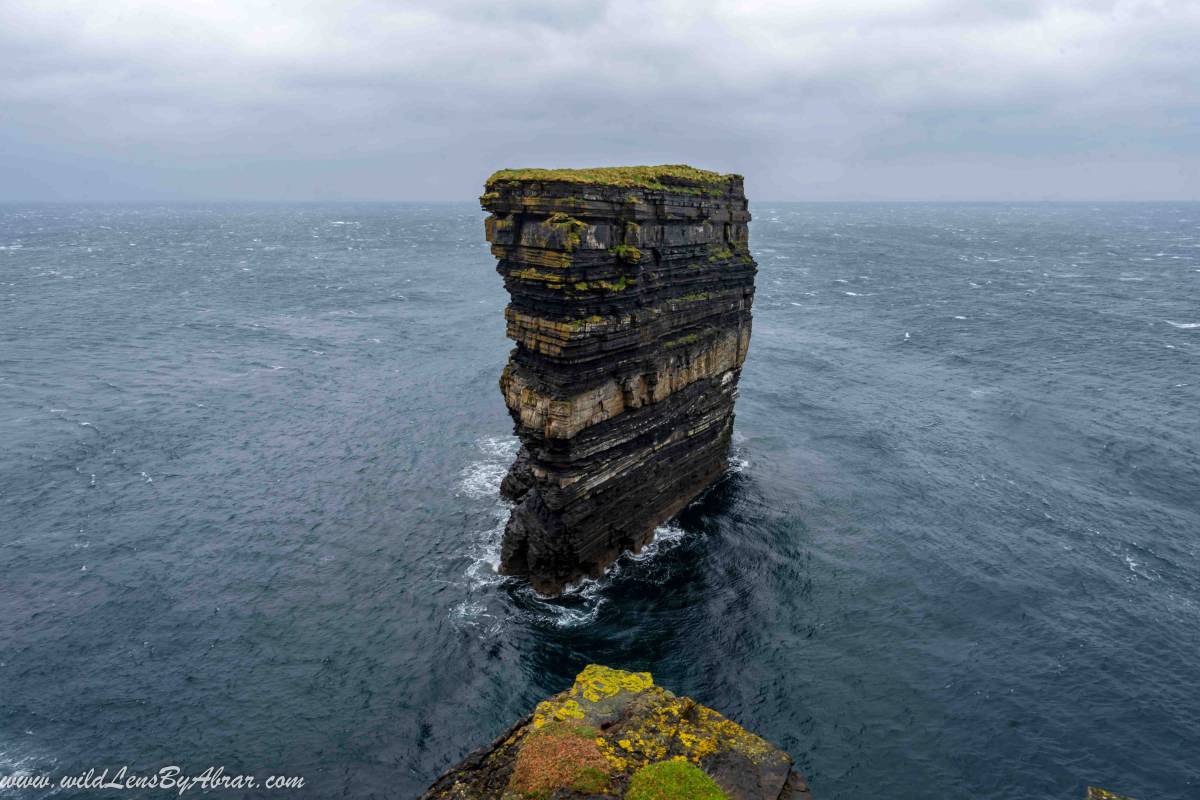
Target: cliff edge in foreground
<point>630,304</point>
<point>614,734</point>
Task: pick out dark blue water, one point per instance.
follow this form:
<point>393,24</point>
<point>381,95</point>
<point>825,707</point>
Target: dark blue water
<point>248,471</point>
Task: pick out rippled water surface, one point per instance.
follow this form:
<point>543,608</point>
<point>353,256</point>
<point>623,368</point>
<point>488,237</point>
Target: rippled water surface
<point>248,515</point>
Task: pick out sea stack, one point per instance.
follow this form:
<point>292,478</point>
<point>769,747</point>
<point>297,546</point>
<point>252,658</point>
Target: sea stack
<point>630,304</point>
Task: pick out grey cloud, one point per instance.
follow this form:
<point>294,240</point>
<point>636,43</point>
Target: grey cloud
<point>888,99</point>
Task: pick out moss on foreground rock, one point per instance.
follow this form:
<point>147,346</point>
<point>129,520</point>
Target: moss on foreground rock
<point>615,734</point>
<point>664,780</point>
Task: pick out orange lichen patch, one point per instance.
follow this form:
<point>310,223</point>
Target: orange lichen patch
<point>559,756</point>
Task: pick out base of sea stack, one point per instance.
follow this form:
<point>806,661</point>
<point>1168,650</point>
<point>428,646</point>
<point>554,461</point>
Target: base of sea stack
<point>614,734</point>
<point>553,544</point>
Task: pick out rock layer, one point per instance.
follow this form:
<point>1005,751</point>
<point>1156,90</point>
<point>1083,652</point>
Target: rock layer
<point>614,734</point>
<point>630,305</point>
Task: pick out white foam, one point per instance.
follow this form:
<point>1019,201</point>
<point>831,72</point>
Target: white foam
<point>1187,326</point>
<point>499,446</point>
<point>665,538</point>
<point>566,617</point>
<point>468,610</point>
<point>484,569</point>
<point>481,479</point>
<point>1134,565</point>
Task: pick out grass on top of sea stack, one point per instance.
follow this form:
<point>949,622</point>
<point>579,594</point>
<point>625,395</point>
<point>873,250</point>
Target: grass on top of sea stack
<point>663,176</point>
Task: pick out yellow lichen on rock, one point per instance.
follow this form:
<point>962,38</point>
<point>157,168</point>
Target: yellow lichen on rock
<point>593,739</point>
<point>1096,793</point>
<point>596,682</point>
<point>553,709</point>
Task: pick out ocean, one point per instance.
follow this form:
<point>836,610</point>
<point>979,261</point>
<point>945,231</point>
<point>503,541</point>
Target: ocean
<point>249,460</point>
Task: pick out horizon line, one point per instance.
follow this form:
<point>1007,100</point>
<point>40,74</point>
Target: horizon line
<point>282,201</point>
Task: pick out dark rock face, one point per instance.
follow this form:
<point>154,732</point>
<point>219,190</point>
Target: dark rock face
<point>631,291</point>
<point>614,734</point>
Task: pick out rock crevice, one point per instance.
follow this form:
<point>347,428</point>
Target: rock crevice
<point>630,290</point>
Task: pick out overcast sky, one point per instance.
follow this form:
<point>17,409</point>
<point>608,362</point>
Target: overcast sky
<point>378,99</point>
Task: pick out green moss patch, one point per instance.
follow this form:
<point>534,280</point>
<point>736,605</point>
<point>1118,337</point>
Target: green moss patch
<point>691,338</point>
<point>619,285</point>
<point>673,780</point>
<point>716,253</point>
<point>571,229</point>
<point>626,252</point>
<point>590,780</point>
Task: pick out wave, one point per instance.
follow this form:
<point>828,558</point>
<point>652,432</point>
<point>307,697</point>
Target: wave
<point>1187,326</point>
<point>499,447</point>
<point>482,479</point>
<point>666,537</point>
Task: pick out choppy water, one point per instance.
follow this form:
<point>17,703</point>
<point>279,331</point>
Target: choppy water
<point>248,470</point>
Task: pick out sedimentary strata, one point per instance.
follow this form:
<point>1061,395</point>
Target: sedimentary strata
<point>614,734</point>
<point>630,304</point>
